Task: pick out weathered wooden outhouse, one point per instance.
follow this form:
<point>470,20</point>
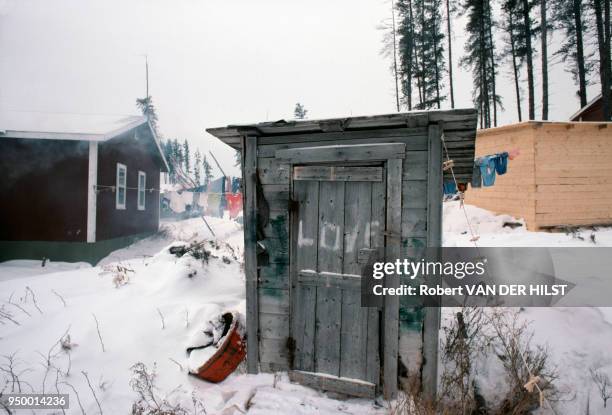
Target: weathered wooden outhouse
<point>319,195</point>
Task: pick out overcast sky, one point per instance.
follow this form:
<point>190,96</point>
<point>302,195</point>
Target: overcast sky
<point>213,62</point>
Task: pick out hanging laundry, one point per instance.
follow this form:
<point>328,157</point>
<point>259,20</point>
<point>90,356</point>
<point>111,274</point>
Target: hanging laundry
<point>215,207</point>
<point>216,186</point>
<point>501,163</point>
<point>476,176</point>
<point>487,170</point>
<point>234,204</point>
<point>450,188</point>
<point>236,182</point>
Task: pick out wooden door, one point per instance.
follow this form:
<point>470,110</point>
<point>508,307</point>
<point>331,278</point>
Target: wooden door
<point>339,211</point>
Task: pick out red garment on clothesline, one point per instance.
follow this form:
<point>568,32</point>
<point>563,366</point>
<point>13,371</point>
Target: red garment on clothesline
<point>234,203</point>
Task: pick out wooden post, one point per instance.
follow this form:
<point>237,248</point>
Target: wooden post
<point>249,168</point>
<point>391,302</point>
<point>434,240</point>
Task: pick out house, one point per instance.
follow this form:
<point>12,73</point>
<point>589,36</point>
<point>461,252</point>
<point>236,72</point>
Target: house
<point>592,111</point>
<point>560,178</point>
<point>76,187</point>
<point>322,200</point>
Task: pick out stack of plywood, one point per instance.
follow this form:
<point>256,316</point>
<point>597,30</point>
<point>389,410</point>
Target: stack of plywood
<point>560,178</point>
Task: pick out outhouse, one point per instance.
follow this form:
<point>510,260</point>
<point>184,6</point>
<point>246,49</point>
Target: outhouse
<point>319,196</point>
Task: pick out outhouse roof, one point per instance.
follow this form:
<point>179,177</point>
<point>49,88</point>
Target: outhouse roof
<point>459,127</point>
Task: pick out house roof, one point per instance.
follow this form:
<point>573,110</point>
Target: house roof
<point>593,102</point>
<point>459,131</point>
<point>69,126</point>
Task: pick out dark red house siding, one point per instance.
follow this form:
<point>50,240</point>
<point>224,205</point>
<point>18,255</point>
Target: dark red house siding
<point>137,151</point>
<point>43,190</point>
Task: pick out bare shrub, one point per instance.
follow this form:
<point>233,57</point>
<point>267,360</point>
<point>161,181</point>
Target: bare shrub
<point>149,402</point>
<point>530,375</point>
<point>120,273</point>
<point>604,385</point>
<point>462,344</point>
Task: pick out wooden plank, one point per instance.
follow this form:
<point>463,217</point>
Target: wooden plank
<point>336,384</point>
<point>278,224</point>
<point>305,222</point>
<point>417,143</point>
<point>414,194</point>
<point>414,223</point>
<point>274,276</point>
<point>273,300</point>
<point>274,351</point>
<point>354,326</point>
<point>329,300</point>
<point>392,252</point>
<point>274,326</point>
<point>336,153</point>
<point>434,239</point>
<point>377,240</point>
<point>415,165</point>
<point>345,135</point>
<point>329,280</point>
<point>338,173</point>
<point>249,145</point>
<point>272,171</point>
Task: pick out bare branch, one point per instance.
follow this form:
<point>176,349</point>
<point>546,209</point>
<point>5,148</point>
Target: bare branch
<point>76,394</point>
<point>28,289</point>
<point>99,334</point>
<point>161,316</point>
<point>92,391</point>
<point>59,296</point>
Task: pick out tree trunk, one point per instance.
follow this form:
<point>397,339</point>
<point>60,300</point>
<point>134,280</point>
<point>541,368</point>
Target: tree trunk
<point>515,70</point>
<point>423,81</point>
<point>492,56</point>
<point>528,53</point>
<point>412,57</point>
<point>544,34</point>
<point>577,9</point>
<point>450,54</point>
<point>437,72</point>
<point>607,95</point>
<point>397,100</point>
<point>601,46</point>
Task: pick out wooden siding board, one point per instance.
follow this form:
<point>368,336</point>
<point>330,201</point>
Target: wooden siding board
<point>434,239</point>
<point>336,153</point>
<point>412,144</point>
<point>345,386</point>
<point>305,226</point>
<point>354,326</point>
<point>392,252</point>
<point>249,145</point>
<point>329,300</point>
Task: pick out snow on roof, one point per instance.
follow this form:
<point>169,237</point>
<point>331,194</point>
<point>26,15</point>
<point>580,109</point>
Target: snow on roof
<point>65,126</point>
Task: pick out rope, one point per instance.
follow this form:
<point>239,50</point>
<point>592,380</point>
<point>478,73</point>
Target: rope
<point>450,164</point>
<point>533,380</point>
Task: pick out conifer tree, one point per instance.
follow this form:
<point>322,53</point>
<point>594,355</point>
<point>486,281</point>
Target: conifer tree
<point>197,167</point>
<point>186,157</point>
<point>568,15</point>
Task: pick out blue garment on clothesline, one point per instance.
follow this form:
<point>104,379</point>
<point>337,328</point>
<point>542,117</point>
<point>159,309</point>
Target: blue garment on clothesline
<point>450,188</point>
<point>501,163</point>
<point>236,185</point>
<point>476,176</point>
<point>487,170</point>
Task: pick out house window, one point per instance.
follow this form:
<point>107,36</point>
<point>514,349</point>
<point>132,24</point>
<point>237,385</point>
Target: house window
<point>121,186</point>
<point>142,183</point>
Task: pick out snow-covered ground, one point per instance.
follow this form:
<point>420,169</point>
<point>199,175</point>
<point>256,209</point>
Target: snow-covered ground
<point>164,302</point>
